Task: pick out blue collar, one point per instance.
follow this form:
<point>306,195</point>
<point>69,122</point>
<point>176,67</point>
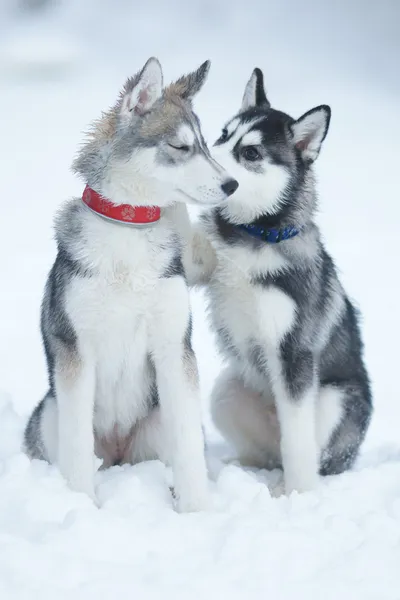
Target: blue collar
<point>272,236</point>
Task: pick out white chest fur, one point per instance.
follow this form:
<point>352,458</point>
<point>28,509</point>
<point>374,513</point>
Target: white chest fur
<point>248,312</point>
<point>111,309</point>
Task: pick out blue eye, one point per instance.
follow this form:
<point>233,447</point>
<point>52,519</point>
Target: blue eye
<point>224,135</point>
<point>251,153</point>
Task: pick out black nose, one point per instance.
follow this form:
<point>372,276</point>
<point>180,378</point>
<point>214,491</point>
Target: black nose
<point>230,186</point>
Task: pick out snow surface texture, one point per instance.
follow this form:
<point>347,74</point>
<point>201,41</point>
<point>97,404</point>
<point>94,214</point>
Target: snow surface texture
<point>341,541</point>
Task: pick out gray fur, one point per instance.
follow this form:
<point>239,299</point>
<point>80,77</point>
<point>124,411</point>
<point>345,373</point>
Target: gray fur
<point>58,334</point>
<point>324,340</point>
<point>33,442</point>
<point>187,86</point>
<point>110,348</point>
<point>108,139</point>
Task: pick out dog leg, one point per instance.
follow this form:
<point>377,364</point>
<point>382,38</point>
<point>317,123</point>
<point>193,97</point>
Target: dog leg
<point>199,257</point>
<point>177,381</point>
<point>202,258</point>
<point>75,388</point>
<point>344,413</point>
<point>295,387</point>
<point>246,421</point>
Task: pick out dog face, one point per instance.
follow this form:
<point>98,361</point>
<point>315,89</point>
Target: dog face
<point>268,152</point>
<point>151,145</point>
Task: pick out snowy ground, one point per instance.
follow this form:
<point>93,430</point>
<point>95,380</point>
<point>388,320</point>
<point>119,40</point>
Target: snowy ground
<point>341,541</point>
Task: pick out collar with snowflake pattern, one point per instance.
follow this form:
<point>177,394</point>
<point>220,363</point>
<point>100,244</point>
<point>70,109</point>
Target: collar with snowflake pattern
<point>122,213</point>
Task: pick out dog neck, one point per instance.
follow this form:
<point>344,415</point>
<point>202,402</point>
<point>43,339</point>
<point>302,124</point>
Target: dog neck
<point>272,235</point>
<point>268,229</point>
<point>120,213</point>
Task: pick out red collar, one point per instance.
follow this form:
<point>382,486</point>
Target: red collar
<point>124,213</point>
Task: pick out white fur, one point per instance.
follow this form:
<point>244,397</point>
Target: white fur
<point>276,310</point>
<point>267,436</point>
<point>179,398</point>
<point>142,180</point>
<point>199,257</point>
<point>251,312</point>
<point>297,418</point>
<point>131,314</point>
<point>185,135</point>
<point>249,95</point>
<point>248,420</point>
<point>260,419</point>
<point>75,426</point>
<point>237,130</point>
<point>200,180</point>
<point>245,305</point>
<point>232,125</point>
<point>253,138</point>
<point>233,259</point>
<point>132,181</point>
<point>121,314</point>
<point>257,192</point>
<point>264,314</point>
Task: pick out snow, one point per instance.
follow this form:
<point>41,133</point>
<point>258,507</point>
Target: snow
<point>343,539</point>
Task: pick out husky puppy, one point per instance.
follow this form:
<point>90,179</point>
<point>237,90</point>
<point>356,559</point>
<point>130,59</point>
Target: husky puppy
<point>116,320</point>
<point>295,392</point>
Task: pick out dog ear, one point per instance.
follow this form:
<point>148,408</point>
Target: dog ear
<point>310,131</point>
<point>141,91</point>
<point>188,85</point>
<point>254,93</point>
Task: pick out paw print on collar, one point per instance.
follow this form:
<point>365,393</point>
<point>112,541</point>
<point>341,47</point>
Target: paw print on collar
<point>151,212</point>
<point>128,213</point>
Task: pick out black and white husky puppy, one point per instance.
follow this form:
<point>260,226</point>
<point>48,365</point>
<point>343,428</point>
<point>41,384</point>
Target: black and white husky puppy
<point>116,319</point>
<point>295,392</point>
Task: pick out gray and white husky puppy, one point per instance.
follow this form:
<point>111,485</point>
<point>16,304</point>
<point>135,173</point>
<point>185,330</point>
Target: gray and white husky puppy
<point>295,392</point>
<point>116,320</point>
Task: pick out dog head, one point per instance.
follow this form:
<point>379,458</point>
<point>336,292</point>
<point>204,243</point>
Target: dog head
<point>149,149</point>
<point>270,154</point>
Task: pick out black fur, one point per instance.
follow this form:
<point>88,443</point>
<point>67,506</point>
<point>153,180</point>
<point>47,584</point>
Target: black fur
<point>33,446</point>
<point>175,268</point>
<point>261,98</point>
<point>187,342</point>
<point>324,342</point>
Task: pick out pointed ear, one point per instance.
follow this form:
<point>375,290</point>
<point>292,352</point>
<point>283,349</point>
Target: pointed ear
<point>310,131</point>
<point>188,85</point>
<point>254,93</point>
<point>142,91</point>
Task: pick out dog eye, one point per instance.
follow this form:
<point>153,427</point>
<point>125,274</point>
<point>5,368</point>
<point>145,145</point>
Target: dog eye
<point>181,147</point>
<point>224,135</point>
<point>251,153</point>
